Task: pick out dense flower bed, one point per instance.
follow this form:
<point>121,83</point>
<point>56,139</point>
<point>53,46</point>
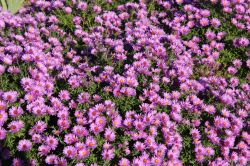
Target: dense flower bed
<point>125,83</point>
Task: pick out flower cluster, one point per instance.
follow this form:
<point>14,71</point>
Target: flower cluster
<point>136,83</point>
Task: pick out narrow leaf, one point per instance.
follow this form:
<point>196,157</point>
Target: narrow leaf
<point>14,5</point>
<point>4,5</point>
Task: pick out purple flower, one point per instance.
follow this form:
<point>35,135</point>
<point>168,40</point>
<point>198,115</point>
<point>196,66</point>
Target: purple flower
<point>108,154</point>
<point>204,22</point>
<point>52,142</point>
<point>83,153</point>
<point>51,159</point>
<point>15,112</point>
<point>3,133</point>
<point>43,150</point>
<point>64,95</point>
<point>124,162</point>
<point>3,117</point>
<point>10,96</point>
<point>109,135</point>
<point>15,126</point>
<point>24,145</point>
<point>91,142</point>
<point>83,97</point>
<point>70,152</point>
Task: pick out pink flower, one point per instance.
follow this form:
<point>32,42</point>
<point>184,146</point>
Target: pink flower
<point>70,138</point>
<point>83,97</point>
<point>3,117</point>
<point>15,112</point>
<point>51,159</point>
<point>204,22</point>
<point>109,134</point>
<point>82,5</point>
<point>40,127</point>
<point>36,138</point>
<point>52,142</point>
<point>70,152</point>
<point>83,153</point>
<point>10,96</point>
<point>91,142</point>
<point>15,126</point>
<point>43,150</point>
<point>64,95</point>
<point>124,162</point>
<point>24,145</point>
<point>3,133</point>
<point>108,154</point>
<point>3,106</point>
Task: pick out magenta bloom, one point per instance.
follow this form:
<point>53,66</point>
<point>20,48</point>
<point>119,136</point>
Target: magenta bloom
<point>2,133</point>
<point>10,96</point>
<point>40,126</point>
<point>125,83</point>
<point>3,117</point>
<point>24,145</point>
<point>204,22</point>
<point>15,126</point>
<point>3,106</point>
<point>64,95</point>
<point>17,162</point>
<point>52,142</point>
<point>83,153</point>
<point>108,154</point>
<point>43,150</point>
<point>109,135</point>
<point>70,152</point>
<point>70,138</point>
<point>124,162</point>
<point>15,111</point>
<point>91,142</point>
<point>83,97</point>
<point>37,138</point>
<point>51,159</point>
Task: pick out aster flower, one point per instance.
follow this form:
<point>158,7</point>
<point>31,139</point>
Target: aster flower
<point>43,150</point>
<point>15,126</point>
<point>83,153</point>
<point>124,162</point>
<point>3,117</point>
<point>51,159</point>
<point>70,138</point>
<point>109,134</point>
<point>10,96</point>
<point>156,161</point>
<point>64,95</point>
<point>3,133</point>
<point>40,126</point>
<point>36,138</point>
<point>3,105</point>
<point>17,162</point>
<point>15,111</point>
<point>83,97</point>
<point>52,142</point>
<point>108,154</point>
<point>204,22</point>
<point>24,145</point>
<point>70,152</point>
<point>91,142</point>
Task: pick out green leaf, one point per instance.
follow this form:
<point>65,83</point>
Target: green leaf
<point>14,5</point>
<point>4,5</point>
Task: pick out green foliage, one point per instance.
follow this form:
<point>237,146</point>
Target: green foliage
<point>12,5</point>
<point>187,155</point>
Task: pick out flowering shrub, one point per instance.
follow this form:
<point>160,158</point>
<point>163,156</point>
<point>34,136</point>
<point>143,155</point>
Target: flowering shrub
<point>125,83</point>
